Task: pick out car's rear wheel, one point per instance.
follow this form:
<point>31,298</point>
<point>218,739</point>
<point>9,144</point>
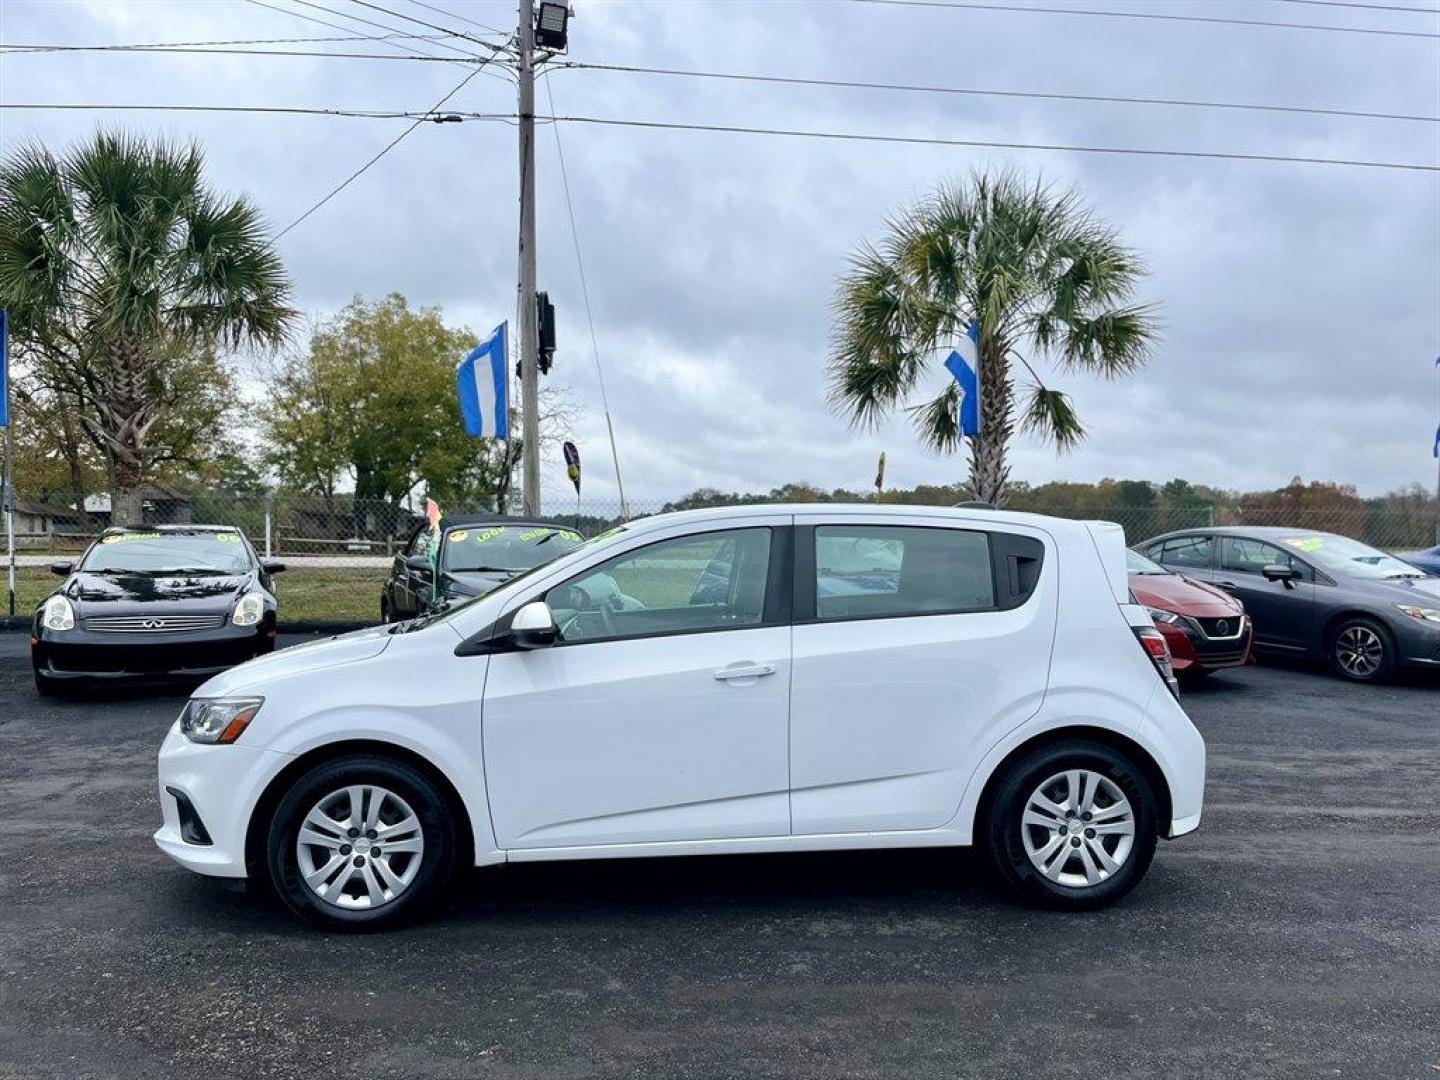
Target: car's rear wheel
<point>361,842</point>
<point>1361,650</point>
<point>1073,825</point>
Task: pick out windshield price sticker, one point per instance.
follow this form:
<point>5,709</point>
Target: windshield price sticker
<point>458,535</point>
<point>125,538</point>
<point>1307,543</point>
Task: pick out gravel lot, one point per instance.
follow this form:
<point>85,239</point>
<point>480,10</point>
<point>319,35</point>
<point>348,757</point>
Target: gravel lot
<point>1297,935</point>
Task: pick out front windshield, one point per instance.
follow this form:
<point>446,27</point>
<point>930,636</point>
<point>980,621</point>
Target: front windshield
<point>1136,563</point>
<point>455,607</point>
<point>510,548</point>
<point>168,553</point>
<point>1341,555</point>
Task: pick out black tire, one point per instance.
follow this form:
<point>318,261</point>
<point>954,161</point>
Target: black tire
<point>437,827</point>
<point>384,611</point>
<point>45,686</point>
<point>1005,834</point>
<point>1364,630</point>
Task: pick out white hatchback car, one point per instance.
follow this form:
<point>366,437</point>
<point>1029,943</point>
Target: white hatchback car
<point>744,679</point>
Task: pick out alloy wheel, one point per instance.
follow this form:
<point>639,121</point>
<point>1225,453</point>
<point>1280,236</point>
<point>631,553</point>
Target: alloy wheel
<point>1078,828</point>
<point>360,847</point>
<point>1359,652</point>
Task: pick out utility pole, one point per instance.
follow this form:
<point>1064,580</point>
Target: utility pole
<point>529,345</point>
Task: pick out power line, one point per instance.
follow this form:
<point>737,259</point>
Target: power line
<point>122,46</point>
<point>462,18</point>
<point>188,51</point>
<point>1362,7</point>
<point>1109,99</point>
<point>281,110</point>
<point>388,147</point>
<point>339,26</point>
<point>991,144</point>
<point>585,292</point>
<point>371,22</point>
<point>434,115</point>
<point>975,5</point>
<point>421,22</point>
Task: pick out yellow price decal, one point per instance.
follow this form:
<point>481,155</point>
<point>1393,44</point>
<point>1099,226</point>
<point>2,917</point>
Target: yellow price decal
<point>228,538</point>
<point>459,535</point>
<point>125,538</point>
<point>1307,543</point>
<point>489,534</point>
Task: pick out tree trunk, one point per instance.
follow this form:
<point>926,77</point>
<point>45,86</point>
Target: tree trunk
<point>125,502</point>
<point>989,470</point>
<point>70,447</point>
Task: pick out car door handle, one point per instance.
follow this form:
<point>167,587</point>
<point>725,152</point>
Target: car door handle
<point>744,671</point>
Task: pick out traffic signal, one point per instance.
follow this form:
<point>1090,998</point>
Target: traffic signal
<point>545,324</point>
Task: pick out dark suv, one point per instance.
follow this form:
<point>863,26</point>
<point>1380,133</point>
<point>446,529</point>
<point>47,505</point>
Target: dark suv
<point>1316,594</point>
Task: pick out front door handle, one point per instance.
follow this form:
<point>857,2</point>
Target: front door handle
<point>744,671</point>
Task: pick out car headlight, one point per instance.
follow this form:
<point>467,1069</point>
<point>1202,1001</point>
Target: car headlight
<point>1425,614</point>
<point>57,613</point>
<point>250,609</point>
<point>1168,617</point>
<point>218,720</point>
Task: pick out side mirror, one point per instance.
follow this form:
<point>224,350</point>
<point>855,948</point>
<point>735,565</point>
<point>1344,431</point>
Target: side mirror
<point>533,627</point>
<point>61,569</point>
<point>1276,572</point>
<point>272,567</point>
<point>420,564</point>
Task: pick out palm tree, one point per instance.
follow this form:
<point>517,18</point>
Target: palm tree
<point>116,260</point>
<point>1038,271</point>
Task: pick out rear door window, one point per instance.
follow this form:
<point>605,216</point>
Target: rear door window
<point>878,571</point>
<point>1188,551</point>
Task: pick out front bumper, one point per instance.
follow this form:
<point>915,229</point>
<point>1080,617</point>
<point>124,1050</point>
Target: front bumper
<point>1418,642</point>
<point>221,784</point>
<point>1192,650</point>
<point>81,654</point>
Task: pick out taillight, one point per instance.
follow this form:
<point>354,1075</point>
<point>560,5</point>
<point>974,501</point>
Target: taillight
<point>1154,644</point>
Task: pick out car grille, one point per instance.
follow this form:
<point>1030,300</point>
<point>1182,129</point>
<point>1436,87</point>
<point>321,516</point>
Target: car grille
<point>152,624</point>
<point>1229,627</point>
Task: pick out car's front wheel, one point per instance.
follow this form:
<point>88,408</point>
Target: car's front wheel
<point>1361,650</point>
<point>1073,825</point>
<point>45,686</point>
<point>361,842</point>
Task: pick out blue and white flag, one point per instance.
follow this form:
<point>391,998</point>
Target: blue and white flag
<point>482,381</point>
<point>964,364</point>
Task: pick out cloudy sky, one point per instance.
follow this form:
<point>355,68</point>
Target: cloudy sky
<point>1301,303</point>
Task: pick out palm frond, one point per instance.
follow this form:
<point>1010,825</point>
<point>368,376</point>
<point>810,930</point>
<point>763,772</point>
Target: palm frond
<point>1050,416</point>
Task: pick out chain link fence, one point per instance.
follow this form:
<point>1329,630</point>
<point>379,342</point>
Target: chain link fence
<point>281,524</point>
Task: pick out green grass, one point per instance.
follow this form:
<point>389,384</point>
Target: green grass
<point>318,594</point>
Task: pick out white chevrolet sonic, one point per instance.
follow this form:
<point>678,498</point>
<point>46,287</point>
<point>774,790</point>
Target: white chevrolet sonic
<point>745,679</point>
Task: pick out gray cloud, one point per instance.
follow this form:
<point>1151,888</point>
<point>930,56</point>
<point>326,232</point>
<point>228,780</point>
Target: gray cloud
<point>1301,303</point>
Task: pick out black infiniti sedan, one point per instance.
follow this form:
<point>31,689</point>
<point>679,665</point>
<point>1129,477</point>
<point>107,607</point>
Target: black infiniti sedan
<point>145,603</point>
<point>1316,594</point>
<point>466,556</point>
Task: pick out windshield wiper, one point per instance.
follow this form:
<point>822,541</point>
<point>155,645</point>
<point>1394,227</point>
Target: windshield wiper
<point>484,570</point>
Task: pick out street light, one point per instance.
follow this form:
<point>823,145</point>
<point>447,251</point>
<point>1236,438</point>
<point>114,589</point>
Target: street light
<point>550,26</point>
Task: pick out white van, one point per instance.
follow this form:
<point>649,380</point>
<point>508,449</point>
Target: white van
<point>743,679</point>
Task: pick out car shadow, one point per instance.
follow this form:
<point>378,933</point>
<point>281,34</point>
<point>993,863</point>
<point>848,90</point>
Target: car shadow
<point>938,881</point>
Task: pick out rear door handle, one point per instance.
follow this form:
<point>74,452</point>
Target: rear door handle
<point>744,671</point>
